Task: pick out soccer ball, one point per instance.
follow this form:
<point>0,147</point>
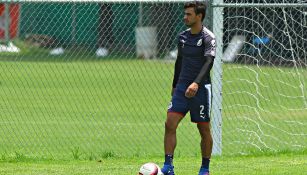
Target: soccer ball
<point>150,169</point>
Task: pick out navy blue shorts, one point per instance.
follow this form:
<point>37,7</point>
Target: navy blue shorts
<point>199,105</point>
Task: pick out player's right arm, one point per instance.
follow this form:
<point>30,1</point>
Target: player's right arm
<point>177,70</point>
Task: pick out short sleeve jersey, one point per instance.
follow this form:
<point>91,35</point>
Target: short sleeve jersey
<point>193,49</point>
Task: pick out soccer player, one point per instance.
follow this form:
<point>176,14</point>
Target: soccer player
<point>191,85</point>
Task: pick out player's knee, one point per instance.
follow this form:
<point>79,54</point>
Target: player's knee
<point>170,126</point>
<point>204,129</point>
<point>172,121</point>
<point>207,137</point>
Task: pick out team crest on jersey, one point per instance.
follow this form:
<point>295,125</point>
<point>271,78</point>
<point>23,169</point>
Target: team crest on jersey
<point>183,41</point>
<point>200,42</point>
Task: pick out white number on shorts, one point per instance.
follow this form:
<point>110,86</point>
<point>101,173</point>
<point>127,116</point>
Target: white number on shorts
<point>201,112</point>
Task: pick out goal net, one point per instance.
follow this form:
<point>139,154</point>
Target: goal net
<point>264,87</point>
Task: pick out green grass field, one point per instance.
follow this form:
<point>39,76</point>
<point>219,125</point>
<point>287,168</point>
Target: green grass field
<point>254,165</point>
<point>61,116</point>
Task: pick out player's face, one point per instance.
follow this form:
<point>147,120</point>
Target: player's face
<point>190,17</point>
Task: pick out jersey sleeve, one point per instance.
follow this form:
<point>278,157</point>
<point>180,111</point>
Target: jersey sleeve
<point>177,63</point>
<point>210,46</point>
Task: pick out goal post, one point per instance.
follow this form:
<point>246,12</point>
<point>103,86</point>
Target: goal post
<point>217,81</point>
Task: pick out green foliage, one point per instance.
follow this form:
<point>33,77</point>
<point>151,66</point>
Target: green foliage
<point>107,154</point>
<point>91,157</point>
<point>76,153</point>
<point>19,156</point>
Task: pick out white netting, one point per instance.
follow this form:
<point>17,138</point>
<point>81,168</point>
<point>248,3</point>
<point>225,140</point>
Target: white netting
<point>265,93</point>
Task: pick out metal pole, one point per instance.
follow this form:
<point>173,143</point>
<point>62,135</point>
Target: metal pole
<point>217,81</point>
<point>265,5</point>
<point>73,25</point>
<point>140,22</point>
<point>104,1</point>
<point>216,3</point>
<point>7,23</point>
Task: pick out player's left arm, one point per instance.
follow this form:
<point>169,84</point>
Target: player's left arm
<point>205,70</point>
<point>209,56</point>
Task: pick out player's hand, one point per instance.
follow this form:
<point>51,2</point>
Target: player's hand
<point>192,90</point>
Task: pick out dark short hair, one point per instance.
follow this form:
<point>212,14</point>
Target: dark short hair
<point>199,8</point>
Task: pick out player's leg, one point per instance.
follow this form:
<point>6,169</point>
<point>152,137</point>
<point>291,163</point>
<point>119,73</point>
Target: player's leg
<point>176,111</point>
<point>171,124</point>
<point>206,146</point>
<point>200,113</point>
<point>170,141</point>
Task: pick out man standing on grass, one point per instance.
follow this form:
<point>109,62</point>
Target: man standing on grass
<point>191,85</point>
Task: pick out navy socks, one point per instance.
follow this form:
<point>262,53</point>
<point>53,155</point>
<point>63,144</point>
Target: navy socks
<point>205,163</point>
<point>169,159</point>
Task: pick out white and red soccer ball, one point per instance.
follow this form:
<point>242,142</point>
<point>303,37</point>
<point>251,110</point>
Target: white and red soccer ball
<point>150,169</point>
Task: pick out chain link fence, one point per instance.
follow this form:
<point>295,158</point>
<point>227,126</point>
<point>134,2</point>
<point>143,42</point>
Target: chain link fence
<point>89,80</point>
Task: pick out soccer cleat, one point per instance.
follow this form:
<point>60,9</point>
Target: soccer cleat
<point>203,171</point>
<point>168,169</point>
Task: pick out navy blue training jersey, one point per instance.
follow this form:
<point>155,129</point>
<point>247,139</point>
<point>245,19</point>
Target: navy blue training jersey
<point>193,49</point>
